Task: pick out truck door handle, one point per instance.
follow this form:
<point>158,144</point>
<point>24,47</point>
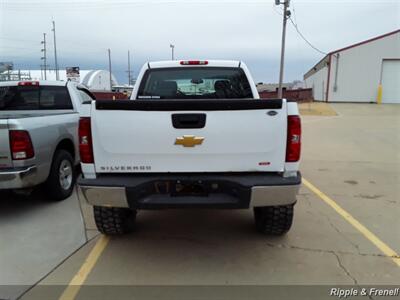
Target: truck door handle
<point>187,121</point>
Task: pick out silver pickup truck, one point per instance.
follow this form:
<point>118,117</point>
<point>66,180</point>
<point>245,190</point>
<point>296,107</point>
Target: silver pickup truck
<point>39,135</point>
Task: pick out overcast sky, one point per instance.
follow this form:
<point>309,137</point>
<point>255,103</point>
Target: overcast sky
<point>222,29</point>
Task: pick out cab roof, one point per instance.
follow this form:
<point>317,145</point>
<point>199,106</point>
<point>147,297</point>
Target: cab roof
<point>177,63</point>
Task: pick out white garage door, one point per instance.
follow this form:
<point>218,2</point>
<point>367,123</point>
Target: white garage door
<point>391,81</point>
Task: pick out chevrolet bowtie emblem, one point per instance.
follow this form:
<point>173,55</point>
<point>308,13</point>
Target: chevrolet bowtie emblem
<point>189,140</point>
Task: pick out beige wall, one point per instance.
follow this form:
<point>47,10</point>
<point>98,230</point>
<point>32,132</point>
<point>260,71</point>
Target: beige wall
<point>318,82</point>
<point>359,71</point>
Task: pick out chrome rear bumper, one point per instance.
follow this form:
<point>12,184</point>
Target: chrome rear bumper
<point>144,192</point>
<point>260,196</point>
<point>104,196</point>
<point>17,178</point>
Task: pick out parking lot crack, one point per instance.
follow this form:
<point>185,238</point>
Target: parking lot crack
<point>344,268</point>
<point>309,211</point>
<point>307,200</point>
<point>342,234</point>
<point>286,246</point>
<point>346,271</point>
<point>320,251</point>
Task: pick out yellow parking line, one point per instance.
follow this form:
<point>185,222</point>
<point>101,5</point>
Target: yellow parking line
<point>75,284</point>
<point>361,228</point>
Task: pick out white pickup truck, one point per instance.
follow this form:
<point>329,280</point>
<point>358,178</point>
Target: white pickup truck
<point>194,134</point>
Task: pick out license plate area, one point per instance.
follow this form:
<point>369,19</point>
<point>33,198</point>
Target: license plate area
<point>187,192</point>
<point>183,188</point>
<point>189,188</point>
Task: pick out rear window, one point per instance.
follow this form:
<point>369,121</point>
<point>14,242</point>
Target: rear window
<point>195,83</point>
<point>34,97</point>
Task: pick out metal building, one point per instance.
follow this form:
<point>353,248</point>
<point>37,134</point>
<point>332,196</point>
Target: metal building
<point>368,71</point>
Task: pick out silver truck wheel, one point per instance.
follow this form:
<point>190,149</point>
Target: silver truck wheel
<point>274,220</point>
<point>61,180</point>
<point>114,220</point>
<point>65,174</point>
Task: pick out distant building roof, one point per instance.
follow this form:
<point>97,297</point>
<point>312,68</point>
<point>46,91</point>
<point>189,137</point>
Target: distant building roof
<point>324,61</point>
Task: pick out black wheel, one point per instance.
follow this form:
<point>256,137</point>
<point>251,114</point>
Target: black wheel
<point>274,220</point>
<point>61,180</point>
<point>114,220</point>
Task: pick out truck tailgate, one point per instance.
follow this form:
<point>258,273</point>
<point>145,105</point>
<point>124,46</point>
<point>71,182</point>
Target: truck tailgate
<point>5,156</point>
<point>161,136</point>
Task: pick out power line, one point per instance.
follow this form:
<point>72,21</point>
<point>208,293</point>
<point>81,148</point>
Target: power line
<point>304,38</point>
<point>112,3</point>
<point>74,42</point>
<point>18,40</point>
<point>13,47</point>
<point>294,23</point>
<point>294,12</point>
<point>279,12</point>
<point>25,6</point>
<point>22,55</point>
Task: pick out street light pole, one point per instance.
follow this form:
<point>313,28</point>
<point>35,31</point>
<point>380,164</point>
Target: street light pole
<point>172,51</point>
<point>286,15</point>
<point>109,67</point>
<point>129,69</point>
<point>55,50</point>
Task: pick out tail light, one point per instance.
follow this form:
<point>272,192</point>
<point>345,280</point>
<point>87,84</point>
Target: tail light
<point>21,145</point>
<point>85,141</point>
<point>28,83</point>
<point>293,147</point>
<point>193,62</point>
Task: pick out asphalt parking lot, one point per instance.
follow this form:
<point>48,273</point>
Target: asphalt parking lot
<point>351,164</point>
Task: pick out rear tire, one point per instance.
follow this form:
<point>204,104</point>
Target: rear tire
<point>114,220</point>
<point>60,183</point>
<point>274,220</point>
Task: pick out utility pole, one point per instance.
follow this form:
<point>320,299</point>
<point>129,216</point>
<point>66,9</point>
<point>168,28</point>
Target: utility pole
<point>286,15</point>
<point>55,51</point>
<point>44,58</point>
<point>109,67</point>
<point>172,51</point>
<point>129,69</point>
